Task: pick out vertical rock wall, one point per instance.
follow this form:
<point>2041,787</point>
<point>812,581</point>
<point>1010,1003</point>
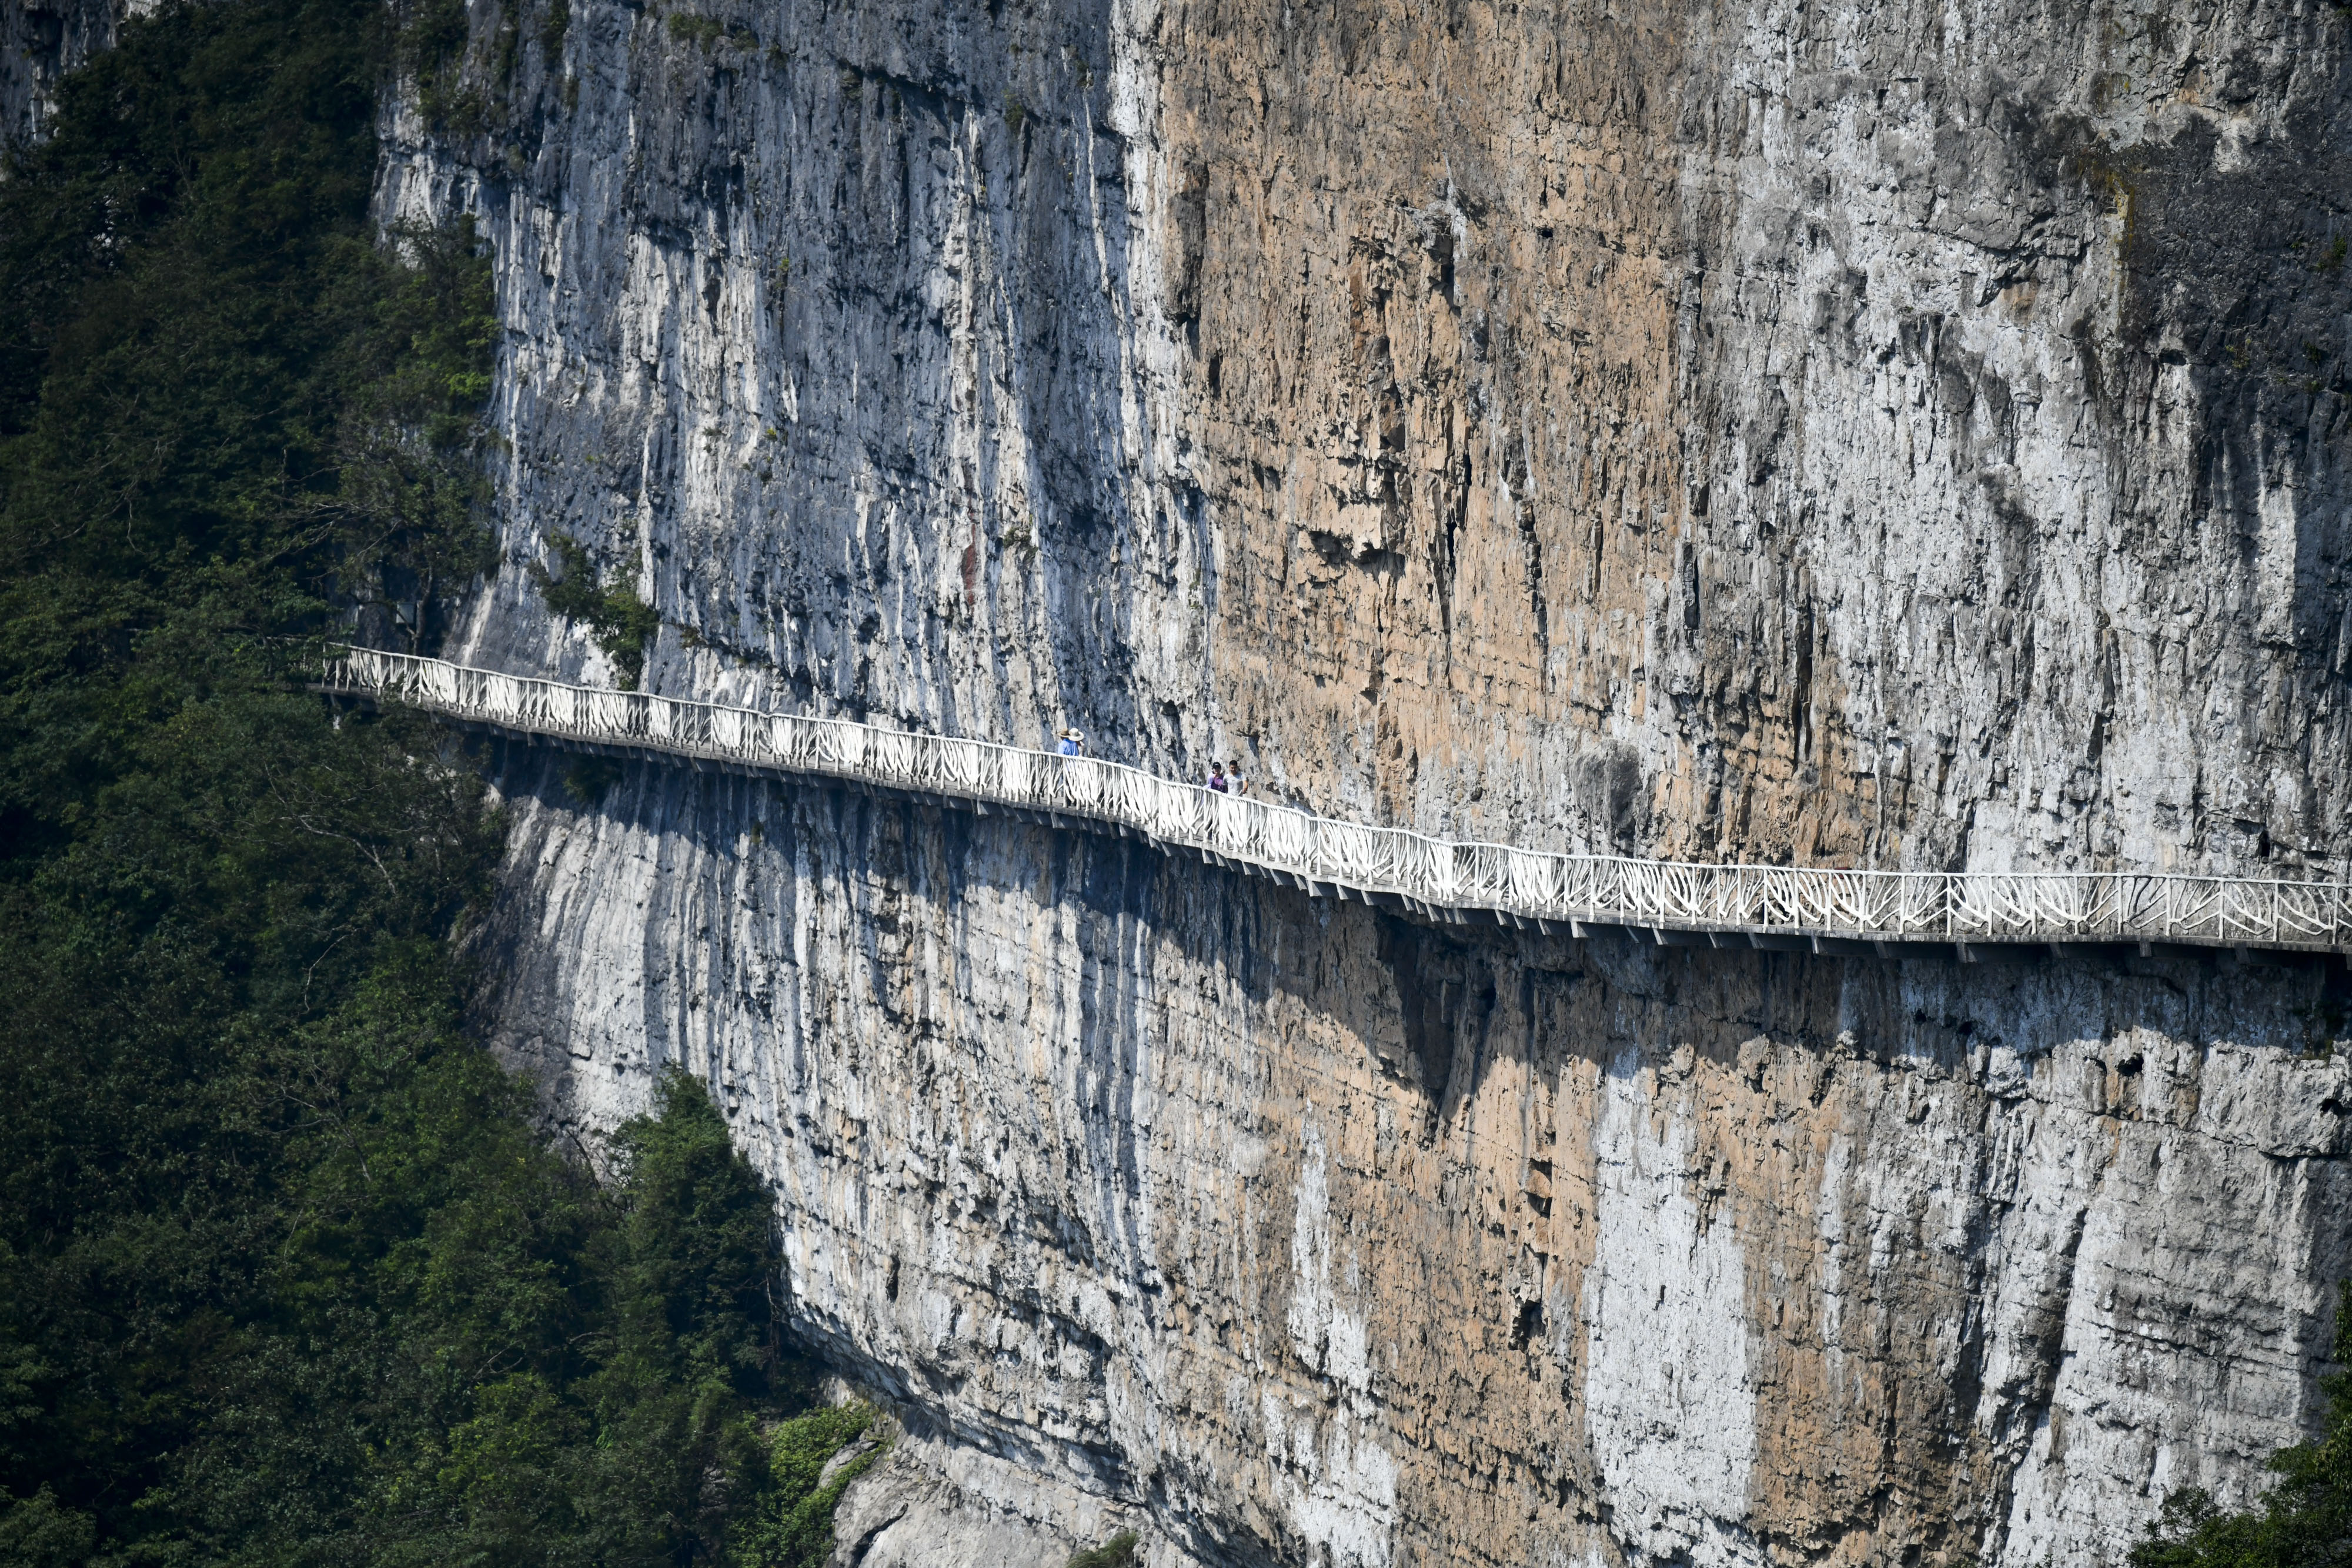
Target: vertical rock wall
<point>821,333</point>
<point>1898,435</point>
<point>1290,1232</point>
<point>1902,436</point>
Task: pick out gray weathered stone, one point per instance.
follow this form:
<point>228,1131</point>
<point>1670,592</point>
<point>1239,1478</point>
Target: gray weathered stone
<point>1887,436</point>
<point>40,41</point>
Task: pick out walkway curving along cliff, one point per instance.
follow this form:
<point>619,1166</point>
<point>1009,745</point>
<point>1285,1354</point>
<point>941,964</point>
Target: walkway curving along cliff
<point>1974,916</point>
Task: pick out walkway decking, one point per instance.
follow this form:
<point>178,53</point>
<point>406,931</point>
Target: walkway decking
<point>1973,916</point>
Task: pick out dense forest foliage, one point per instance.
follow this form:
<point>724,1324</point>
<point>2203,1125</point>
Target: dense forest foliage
<point>287,1274</point>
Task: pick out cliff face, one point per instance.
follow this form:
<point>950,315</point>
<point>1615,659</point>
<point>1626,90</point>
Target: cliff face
<point>1901,437</point>
<point>1289,1232</point>
<point>1891,435</point>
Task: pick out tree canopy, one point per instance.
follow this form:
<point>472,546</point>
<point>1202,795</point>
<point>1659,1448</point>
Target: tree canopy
<point>288,1272</point>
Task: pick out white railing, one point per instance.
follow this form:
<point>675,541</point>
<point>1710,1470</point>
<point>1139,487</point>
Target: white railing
<point>1392,862</point>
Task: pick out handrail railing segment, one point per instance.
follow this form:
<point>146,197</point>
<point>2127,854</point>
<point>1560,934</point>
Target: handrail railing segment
<point>1393,864</point>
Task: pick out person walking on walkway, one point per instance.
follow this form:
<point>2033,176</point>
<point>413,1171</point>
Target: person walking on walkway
<point>1217,777</point>
<point>1073,744</point>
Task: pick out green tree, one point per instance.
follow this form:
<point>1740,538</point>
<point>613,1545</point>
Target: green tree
<point>793,1525</point>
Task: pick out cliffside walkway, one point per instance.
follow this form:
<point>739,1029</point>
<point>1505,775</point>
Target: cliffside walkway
<point>1974,916</point>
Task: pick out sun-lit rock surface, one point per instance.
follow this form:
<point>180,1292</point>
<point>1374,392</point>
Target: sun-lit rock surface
<point>1896,437</point>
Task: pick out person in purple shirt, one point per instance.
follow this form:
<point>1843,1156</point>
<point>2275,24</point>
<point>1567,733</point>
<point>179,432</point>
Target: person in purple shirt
<point>1217,777</point>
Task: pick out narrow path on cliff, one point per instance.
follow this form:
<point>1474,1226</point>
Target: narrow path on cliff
<point>1974,916</point>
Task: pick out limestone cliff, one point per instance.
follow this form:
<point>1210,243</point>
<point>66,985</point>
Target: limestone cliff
<point>1291,1233</point>
<point>1890,435</point>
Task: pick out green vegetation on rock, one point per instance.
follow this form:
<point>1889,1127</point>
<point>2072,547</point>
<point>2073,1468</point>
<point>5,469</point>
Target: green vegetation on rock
<point>793,1526</point>
<point>1118,1551</point>
<point>623,622</point>
<point>690,28</point>
<point>2304,1521</point>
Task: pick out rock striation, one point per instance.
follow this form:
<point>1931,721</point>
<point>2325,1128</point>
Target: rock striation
<point>1890,435</point>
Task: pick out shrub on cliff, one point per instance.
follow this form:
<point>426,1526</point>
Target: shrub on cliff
<point>793,1526</point>
<point>2304,1521</point>
<point>1118,1551</point>
<point>623,624</point>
